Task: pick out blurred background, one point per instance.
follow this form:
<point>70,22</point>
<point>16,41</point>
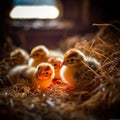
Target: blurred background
<point>27,23</point>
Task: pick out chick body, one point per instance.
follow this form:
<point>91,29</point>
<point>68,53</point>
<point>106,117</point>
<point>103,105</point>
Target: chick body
<point>44,74</point>
<point>41,54</point>
<point>92,62</point>
<point>38,77</point>
<point>72,65</point>
<point>76,63</point>
<point>18,57</point>
<point>56,62</point>
<point>38,55</point>
<point>21,74</point>
<point>68,76</point>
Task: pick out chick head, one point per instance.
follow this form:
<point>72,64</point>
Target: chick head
<point>44,71</point>
<point>56,62</point>
<point>39,52</point>
<point>73,58</point>
<point>19,56</point>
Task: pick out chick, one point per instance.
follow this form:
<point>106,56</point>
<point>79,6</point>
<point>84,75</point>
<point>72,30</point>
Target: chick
<point>72,64</point>
<point>41,54</point>
<point>75,63</point>
<point>57,63</point>
<point>39,77</point>
<point>38,55</point>
<point>21,74</point>
<point>44,75</point>
<point>18,57</point>
<point>92,62</point>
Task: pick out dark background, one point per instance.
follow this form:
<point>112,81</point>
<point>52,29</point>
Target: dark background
<point>81,13</point>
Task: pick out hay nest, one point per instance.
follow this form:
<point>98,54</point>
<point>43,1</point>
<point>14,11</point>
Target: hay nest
<point>97,97</point>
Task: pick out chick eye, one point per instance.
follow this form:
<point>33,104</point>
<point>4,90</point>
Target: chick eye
<point>55,64</point>
<point>71,60</point>
<point>46,73</point>
<point>36,54</point>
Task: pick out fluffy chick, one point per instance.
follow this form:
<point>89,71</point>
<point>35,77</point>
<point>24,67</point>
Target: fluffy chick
<point>72,64</point>
<point>44,74</point>
<point>41,54</point>
<point>21,74</point>
<point>38,55</point>
<point>18,57</point>
<point>75,63</point>
<point>56,62</point>
<point>39,77</point>
<point>92,62</point>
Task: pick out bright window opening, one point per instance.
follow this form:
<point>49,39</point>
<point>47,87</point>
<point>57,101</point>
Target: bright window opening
<point>34,9</point>
<point>34,12</point>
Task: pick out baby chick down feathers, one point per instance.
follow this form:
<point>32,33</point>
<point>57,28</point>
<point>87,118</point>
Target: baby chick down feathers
<point>39,77</point>
<point>38,55</point>
<point>73,65</point>
<point>44,74</point>
<point>57,63</point>
<point>18,57</point>
<point>21,74</point>
<point>41,54</point>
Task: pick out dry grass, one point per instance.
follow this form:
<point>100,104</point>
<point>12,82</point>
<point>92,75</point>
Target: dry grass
<point>96,97</point>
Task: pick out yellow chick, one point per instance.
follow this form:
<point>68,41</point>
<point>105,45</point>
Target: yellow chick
<point>72,64</point>
<point>39,77</point>
<point>44,75</point>
<point>18,57</point>
<point>92,62</point>
<point>38,55</point>
<point>57,63</point>
<point>21,74</point>
<point>41,54</point>
<point>75,63</point>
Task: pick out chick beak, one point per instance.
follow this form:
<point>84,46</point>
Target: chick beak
<point>14,58</point>
<point>31,56</point>
<point>64,63</point>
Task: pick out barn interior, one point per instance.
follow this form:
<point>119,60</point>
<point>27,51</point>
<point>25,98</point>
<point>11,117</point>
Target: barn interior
<point>87,25</point>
